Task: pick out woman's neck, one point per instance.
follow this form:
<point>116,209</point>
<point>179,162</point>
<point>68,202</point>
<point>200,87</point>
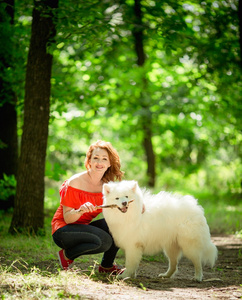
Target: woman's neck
<point>94,179</point>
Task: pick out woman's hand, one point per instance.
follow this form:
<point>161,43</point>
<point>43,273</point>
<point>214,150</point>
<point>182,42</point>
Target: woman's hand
<point>87,207</point>
<point>71,217</point>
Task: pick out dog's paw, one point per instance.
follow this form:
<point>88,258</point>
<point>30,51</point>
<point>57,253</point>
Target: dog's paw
<point>125,275</point>
<point>164,275</point>
<point>198,278</point>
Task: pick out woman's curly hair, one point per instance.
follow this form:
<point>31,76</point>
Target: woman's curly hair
<point>113,172</point>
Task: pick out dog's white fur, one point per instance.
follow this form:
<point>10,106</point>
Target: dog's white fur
<point>174,224</point>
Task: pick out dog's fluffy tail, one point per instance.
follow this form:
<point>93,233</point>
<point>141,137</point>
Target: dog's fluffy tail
<point>210,255</point>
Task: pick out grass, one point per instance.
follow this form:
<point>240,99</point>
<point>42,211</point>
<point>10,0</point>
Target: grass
<point>39,284</point>
<point>29,268</point>
<point>223,212</point>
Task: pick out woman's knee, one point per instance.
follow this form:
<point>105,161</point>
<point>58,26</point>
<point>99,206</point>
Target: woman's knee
<point>107,242</point>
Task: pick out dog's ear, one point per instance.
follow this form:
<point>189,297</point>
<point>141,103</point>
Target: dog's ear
<point>135,185</point>
<point>106,189</point>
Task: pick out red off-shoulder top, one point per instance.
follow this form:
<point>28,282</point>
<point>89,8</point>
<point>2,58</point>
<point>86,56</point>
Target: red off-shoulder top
<point>73,197</point>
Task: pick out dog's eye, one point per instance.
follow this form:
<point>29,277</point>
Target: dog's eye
<point>117,198</point>
<point>127,196</point>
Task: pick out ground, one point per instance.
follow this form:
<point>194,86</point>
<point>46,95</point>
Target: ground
<point>224,281</point>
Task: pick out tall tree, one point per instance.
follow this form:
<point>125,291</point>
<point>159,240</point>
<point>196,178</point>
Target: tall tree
<point>28,213</point>
<point>240,29</point>
<point>8,116</point>
<point>146,119</point>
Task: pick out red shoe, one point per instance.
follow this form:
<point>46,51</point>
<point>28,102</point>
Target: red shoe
<point>114,270</point>
<point>65,264</point>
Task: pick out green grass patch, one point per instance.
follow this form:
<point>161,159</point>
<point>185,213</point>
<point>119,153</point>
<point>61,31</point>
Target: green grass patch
<point>29,267</point>
<point>223,213</point>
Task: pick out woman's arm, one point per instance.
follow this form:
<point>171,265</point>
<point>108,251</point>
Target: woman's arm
<point>69,217</point>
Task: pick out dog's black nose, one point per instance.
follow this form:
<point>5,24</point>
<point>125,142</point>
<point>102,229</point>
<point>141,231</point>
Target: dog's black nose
<point>124,203</point>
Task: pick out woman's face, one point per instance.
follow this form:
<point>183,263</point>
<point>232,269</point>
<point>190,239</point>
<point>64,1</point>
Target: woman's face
<point>99,160</point>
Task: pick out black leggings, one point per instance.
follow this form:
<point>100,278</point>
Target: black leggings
<point>80,239</point>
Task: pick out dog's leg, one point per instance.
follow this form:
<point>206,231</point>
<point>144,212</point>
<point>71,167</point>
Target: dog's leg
<point>132,259</point>
<point>198,271</point>
<point>173,253</point>
<point>194,254</point>
<point>198,267</point>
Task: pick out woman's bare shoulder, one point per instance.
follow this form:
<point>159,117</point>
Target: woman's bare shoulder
<point>78,181</point>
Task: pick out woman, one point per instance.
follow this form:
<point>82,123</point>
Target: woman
<point>73,231</point>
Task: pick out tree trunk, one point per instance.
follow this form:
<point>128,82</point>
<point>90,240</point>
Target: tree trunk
<point>8,116</point>
<point>147,116</point>
<point>148,146</point>
<point>28,213</point>
<point>240,30</point>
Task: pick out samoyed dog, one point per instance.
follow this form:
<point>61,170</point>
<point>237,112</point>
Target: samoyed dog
<point>147,224</point>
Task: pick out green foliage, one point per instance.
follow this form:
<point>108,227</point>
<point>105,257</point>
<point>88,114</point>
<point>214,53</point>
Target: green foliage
<point>189,89</point>
<point>183,91</point>
<point>7,187</point>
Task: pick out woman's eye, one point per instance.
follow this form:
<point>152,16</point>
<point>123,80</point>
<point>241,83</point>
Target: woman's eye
<point>117,198</point>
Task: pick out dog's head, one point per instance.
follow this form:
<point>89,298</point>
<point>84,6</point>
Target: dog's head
<point>120,194</point>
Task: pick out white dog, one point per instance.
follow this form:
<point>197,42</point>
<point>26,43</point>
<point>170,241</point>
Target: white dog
<point>174,224</point>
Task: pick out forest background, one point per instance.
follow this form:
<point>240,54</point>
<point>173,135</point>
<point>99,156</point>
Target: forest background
<point>160,80</point>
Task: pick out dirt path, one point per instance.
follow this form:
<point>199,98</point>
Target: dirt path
<point>223,282</point>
